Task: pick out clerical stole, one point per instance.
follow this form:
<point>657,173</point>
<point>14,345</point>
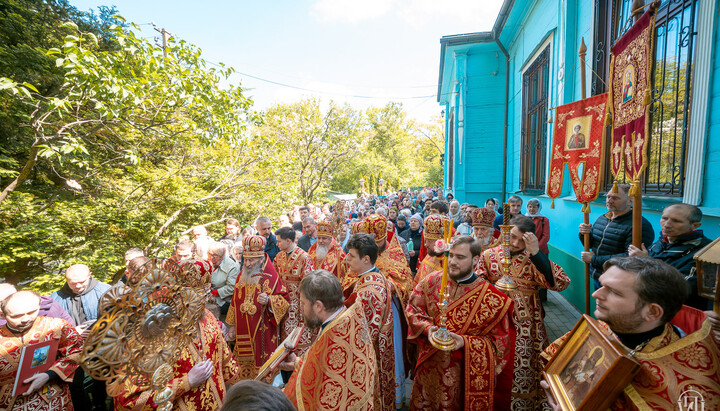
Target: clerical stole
<point>531,335</point>
<point>256,325</point>
<point>292,268</point>
<point>56,393</point>
<point>477,377</point>
<point>674,370</point>
<point>209,345</point>
<point>332,261</point>
<point>428,266</point>
<point>372,293</point>
<point>338,371</point>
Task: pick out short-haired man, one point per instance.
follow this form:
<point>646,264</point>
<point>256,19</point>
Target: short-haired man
<point>49,391</point>
<point>183,251</point>
<point>260,297</point>
<point>48,306</point>
<point>256,395</point>
<point>640,302</point>
<point>679,240</point>
<point>263,225</point>
<point>225,272</point>
<point>343,334</point>
<point>611,234</point>
<point>310,236</point>
<point>292,264</point>
<point>477,374</point>
<point>439,207</point>
<point>372,291</point>
<point>130,255</point>
<point>233,234</point>
<point>531,270</point>
<point>326,253</point>
<point>515,203</point>
<point>465,227</point>
<point>304,212</point>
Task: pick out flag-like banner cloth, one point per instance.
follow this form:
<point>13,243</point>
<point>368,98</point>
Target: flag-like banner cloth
<point>579,141</point>
<point>629,100</point>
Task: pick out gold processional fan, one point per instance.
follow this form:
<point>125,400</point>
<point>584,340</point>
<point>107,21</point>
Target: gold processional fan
<point>337,219</point>
<point>144,327</point>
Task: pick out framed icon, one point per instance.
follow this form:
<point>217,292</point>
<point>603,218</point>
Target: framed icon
<point>590,369</point>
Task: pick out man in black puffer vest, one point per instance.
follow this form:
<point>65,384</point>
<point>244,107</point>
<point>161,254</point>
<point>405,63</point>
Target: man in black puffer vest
<point>611,235</point>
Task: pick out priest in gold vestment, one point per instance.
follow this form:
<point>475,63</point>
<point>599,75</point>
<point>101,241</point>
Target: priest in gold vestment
<point>326,253</point>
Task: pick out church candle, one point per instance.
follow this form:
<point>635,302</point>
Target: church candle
<point>506,214</point>
<point>447,232</point>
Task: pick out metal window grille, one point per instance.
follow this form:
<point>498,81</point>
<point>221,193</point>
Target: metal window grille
<point>675,33</point>
<point>534,123</point>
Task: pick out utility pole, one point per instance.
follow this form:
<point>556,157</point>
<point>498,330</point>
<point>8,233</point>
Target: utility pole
<point>165,35</point>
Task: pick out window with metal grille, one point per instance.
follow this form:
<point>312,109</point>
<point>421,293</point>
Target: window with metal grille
<point>675,33</point>
<point>534,123</point>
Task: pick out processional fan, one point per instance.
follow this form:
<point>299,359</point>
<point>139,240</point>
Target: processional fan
<point>143,329</point>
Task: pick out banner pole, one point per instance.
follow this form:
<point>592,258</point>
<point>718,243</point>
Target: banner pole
<point>586,207</point>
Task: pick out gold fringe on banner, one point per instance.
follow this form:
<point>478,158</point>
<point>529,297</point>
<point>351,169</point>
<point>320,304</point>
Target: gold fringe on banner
<point>552,203</point>
<point>615,187</point>
<point>647,98</point>
<point>608,119</point>
<point>585,208</point>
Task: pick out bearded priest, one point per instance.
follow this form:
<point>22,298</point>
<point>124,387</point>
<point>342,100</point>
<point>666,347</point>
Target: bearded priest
<point>433,261</point>
<point>326,253</point>
<point>259,303</point>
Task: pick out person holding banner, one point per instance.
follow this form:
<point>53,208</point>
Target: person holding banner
<point>611,234</point>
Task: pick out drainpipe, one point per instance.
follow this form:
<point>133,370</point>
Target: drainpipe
<point>505,134</point>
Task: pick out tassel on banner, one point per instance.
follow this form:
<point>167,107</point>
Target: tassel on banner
<point>634,189</point>
<point>552,203</point>
<point>647,98</point>
<point>585,208</point>
<point>608,119</point>
<point>615,187</point>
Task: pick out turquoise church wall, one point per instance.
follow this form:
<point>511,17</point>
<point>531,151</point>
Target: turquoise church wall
<point>528,25</point>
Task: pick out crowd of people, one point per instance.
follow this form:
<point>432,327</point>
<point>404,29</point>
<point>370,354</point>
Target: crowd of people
<point>358,286</point>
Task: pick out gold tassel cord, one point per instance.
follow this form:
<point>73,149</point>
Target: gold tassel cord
<point>585,208</point>
<point>647,98</point>
<point>634,189</point>
<point>615,186</point>
<point>552,203</point>
<point>608,119</point>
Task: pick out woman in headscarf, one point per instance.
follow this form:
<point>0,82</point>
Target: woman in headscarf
<point>542,224</point>
<point>455,212</point>
<point>416,229</point>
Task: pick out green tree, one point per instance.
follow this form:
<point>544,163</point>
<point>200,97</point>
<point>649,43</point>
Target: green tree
<point>312,144</point>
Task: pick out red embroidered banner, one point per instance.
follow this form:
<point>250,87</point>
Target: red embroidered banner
<point>579,141</point>
<point>630,96</point>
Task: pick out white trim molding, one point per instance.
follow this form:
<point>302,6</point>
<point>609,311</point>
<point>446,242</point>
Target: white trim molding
<point>697,132</point>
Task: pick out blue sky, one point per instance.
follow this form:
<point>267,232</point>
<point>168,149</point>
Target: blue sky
<point>338,49</point>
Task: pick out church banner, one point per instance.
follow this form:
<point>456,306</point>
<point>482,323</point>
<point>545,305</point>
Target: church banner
<point>630,97</point>
<point>578,140</point>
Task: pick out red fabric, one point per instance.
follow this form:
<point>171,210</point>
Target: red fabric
<point>542,232</point>
<point>215,293</point>
<point>630,70</point>
<point>578,146</point>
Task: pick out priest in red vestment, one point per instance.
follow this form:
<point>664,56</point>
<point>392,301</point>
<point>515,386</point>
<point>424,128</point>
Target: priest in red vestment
<point>326,253</point>
<point>259,303</point>
<point>292,264</point>
<point>338,371</point>
<point>531,270</point>
<point>433,261</point>
<point>640,303</point>
<point>205,368</point>
<point>477,375</point>
<point>372,292</point>
<point>49,390</point>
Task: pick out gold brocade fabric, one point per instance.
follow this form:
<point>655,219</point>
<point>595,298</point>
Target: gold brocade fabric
<point>531,335</point>
<point>292,268</point>
<point>332,261</point>
<point>477,376</point>
<point>210,344</point>
<point>427,266</point>
<point>338,371</point>
<point>57,394</point>
<point>671,366</point>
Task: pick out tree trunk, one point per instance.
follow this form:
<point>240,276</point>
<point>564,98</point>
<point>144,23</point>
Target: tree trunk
<point>24,173</point>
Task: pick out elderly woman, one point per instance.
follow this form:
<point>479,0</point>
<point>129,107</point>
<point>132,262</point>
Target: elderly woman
<point>225,272</point>
<point>416,228</point>
<point>542,224</point>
